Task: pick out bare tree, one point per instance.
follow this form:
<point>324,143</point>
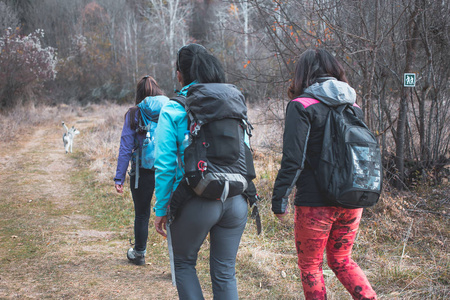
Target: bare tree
<point>105,45</point>
<point>167,23</point>
<point>8,17</point>
<point>377,41</point>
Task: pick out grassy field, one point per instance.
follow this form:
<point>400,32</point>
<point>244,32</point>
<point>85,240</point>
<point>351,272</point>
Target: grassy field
<point>64,231</point>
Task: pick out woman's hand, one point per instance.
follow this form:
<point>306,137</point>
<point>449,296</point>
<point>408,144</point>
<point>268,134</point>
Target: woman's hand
<point>119,188</point>
<point>281,217</point>
<point>160,225</point>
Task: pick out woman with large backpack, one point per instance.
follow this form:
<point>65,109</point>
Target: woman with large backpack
<point>139,127</point>
<point>319,84</point>
<point>202,77</point>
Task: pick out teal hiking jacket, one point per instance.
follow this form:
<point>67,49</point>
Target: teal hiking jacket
<point>172,124</point>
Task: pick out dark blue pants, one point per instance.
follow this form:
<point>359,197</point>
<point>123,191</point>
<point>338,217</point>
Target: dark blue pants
<point>142,198</point>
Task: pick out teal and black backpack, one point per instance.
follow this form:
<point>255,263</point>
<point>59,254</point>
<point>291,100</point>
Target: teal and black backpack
<point>218,162</point>
<point>149,110</point>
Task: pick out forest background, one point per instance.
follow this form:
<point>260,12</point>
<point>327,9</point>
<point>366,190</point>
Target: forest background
<point>81,53</point>
<point>85,51</point>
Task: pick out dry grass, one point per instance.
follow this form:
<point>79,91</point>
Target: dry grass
<point>402,243</point>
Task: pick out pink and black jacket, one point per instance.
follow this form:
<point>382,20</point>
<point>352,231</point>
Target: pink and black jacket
<point>302,142</point>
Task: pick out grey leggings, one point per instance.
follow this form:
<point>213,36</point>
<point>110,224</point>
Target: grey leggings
<point>225,221</point>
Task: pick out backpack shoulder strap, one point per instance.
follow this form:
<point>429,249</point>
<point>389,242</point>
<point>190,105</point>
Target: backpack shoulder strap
<point>181,100</point>
<point>346,107</point>
<point>141,125</point>
<point>340,109</point>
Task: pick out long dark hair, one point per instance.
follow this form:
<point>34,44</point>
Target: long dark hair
<point>146,87</point>
<point>313,64</point>
<point>195,63</point>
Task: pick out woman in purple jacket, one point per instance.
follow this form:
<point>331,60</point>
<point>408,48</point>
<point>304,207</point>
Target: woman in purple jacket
<point>149,100</point>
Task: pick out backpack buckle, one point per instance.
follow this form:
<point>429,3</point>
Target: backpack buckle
<point>202,166</point>
<point>195,128</point>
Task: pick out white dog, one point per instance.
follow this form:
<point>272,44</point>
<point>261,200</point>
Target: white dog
<point>68,137</point>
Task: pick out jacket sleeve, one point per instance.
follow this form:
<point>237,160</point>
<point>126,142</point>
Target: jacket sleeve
<point>169,135</point>
<point>126,149</point>
<point>295,139</point>
<point>250,194</point>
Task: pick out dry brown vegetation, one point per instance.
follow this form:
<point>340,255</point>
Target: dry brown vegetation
<point>64,231</point>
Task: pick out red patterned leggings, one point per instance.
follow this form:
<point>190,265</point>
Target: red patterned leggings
<point>333,229</point>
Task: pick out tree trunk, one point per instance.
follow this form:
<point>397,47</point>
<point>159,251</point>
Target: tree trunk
<point>411,48</point>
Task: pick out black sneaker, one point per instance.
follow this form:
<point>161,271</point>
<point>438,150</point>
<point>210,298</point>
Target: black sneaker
<point>136,258</point>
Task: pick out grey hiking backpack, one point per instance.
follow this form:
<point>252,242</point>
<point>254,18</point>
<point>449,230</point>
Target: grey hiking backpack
<point>350,171</point>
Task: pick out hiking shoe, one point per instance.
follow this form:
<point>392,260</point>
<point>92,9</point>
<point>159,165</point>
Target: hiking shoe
<point>136,258</point>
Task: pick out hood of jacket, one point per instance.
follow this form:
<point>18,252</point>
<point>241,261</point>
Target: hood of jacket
<point>332,92</point>
<point>151,107</point>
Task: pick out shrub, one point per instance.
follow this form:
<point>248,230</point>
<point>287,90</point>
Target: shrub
<point>24,66</point>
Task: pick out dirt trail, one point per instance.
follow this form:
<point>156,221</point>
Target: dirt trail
<point>49,249</point>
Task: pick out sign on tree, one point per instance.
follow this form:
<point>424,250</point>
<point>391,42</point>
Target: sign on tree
<point>409,79</point>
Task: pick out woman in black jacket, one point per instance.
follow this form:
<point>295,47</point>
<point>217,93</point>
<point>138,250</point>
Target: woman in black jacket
<point>319,83</point>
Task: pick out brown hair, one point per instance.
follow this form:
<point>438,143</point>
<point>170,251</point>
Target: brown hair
<point>146,87</point>
<point>313,64</point>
